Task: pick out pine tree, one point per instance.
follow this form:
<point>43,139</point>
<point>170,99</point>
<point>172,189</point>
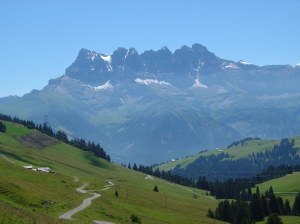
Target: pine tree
<point>226,211</point>
<point>2,127</point>
<point>267,194</point>
<point>210,214</point>
<point>274,219</point>
<point>265,205</point>
<point>242,212</point>
<point>116,193</point>
<point>129,167</point>
<point>281,206</point>
<point>249,193</point>
<point>287,207</point>
<point>273,204</point>
<point>256,208</point>
<point>296,206</point>
<point>155,188</point>
<point>257,191</point>
<point>134,167</point>
<point>157,172</point>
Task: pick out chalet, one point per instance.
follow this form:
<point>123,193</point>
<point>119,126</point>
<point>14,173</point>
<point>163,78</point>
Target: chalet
<point>43,169</point>
<point>27,167</point>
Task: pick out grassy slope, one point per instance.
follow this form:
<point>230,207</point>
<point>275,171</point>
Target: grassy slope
<point>22,191</point>
<point>236,151</point>
<point>288,183</point>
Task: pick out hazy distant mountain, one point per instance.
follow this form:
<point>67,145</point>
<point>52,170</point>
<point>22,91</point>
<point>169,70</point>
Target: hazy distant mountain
<point>7,100</point>
<point>158,105</point>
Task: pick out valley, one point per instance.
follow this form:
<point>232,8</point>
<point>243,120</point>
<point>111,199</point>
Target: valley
<point>43,197</point>
<point>228,127</point>
<point>23,191</point>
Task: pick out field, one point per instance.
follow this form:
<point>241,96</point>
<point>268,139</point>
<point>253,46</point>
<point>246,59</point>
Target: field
<point>234,152</point>
<point>38,197</point>
<point>285,187</point>
<point>27,196</point>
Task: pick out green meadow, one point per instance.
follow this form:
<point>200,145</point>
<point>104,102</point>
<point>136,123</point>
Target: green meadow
<point>27,196</point>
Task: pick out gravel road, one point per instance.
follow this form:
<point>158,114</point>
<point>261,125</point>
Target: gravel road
<point>85,203</point>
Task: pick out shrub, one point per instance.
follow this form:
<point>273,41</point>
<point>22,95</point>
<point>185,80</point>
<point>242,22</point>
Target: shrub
<point>135,219</point>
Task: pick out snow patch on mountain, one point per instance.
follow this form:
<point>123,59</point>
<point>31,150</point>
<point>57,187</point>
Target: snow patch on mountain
<point>106,58</point>
<point>92,55</point>
<point>150,81</point>
<point>244,63</point>
<point>107,85</point>
<point>198,84</point>
<point>231,66</point>
<point>130,51</point>
<point>297,65</point>
<point>126,54</point>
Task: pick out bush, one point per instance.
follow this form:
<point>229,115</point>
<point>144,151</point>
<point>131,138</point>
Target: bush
<point>135,219</point>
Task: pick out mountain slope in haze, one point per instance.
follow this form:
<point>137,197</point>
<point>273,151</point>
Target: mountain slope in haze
<point>157,105</point>
<point>7,100</point>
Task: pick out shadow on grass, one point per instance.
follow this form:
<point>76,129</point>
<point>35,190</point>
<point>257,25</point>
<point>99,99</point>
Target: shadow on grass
<point>16,157</point>
<point>95,161</point>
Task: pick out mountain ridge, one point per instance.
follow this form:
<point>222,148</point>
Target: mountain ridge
<point>101,94</point>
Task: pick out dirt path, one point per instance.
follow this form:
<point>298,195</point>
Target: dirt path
<point>85,203</point>
<point>7,159</point>
<point>176,185</point>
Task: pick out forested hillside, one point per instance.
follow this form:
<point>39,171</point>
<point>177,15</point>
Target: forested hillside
<point>225,164</point>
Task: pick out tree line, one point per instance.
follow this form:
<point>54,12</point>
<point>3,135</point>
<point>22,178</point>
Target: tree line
<point>223,166</point>
<point>79,143</point>
<point>228,189</point>
<point>241,211</point>
<point>242,142</point>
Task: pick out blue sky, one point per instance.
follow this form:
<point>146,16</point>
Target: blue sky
<point>40,39</point>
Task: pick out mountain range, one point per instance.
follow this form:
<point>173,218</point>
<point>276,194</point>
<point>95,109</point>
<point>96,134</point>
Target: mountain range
<point>158,105</point>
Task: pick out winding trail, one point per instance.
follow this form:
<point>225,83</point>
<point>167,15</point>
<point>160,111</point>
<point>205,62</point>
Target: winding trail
<point>7,159</point>
<point>85,203</point>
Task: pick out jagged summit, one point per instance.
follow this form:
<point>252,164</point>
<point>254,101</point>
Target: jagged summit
<point>90,66</point>
<point>155,105</point>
